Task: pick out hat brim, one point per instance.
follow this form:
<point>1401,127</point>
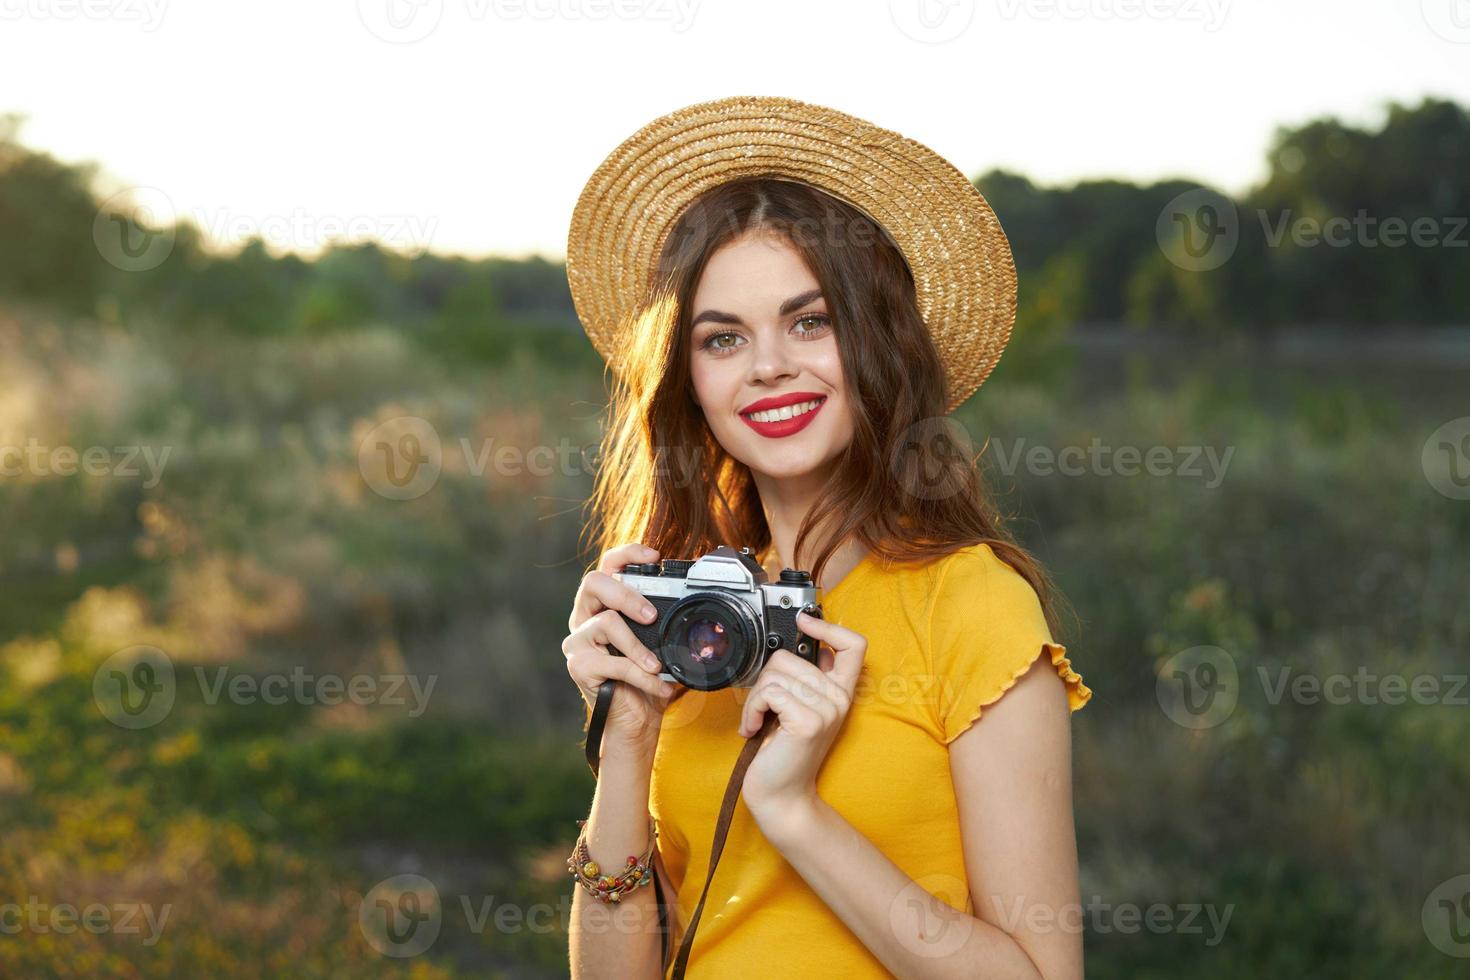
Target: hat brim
<point>964,274</point>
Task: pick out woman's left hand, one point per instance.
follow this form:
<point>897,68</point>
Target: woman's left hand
<point>810,702</point>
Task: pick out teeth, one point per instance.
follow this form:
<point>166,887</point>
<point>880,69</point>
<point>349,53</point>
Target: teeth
<point>787,412</point>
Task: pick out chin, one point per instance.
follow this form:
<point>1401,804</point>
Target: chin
<point>792,463</point>
<point>778,472</point>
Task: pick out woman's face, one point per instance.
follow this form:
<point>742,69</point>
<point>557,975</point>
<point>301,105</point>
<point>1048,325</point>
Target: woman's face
<point>762,335</point>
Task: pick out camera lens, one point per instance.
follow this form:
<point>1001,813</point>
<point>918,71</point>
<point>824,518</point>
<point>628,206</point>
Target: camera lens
<point>709,644</point>
<point>708,640</point>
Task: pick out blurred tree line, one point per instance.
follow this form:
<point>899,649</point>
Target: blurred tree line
<point>1087,252</point>
<point>477,310</point>
<point>1091,251</point>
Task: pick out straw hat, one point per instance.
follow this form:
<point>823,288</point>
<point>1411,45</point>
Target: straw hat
<point>954,245</point>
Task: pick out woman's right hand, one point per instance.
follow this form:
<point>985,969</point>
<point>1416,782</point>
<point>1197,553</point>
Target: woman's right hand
<point>639,701</point>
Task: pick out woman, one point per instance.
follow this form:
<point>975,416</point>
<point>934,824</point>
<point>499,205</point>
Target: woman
<point>910,811</point>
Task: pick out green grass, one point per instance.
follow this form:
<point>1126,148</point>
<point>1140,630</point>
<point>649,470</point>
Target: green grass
<point>1322,828</point>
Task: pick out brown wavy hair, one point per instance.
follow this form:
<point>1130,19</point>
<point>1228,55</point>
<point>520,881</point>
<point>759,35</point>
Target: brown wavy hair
<point>664,480</point>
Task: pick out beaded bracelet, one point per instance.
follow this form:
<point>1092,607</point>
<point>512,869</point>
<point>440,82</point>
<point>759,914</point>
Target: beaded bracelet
<point>610,888</point>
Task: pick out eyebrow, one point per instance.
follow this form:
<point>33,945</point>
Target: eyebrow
<point>790,306</point>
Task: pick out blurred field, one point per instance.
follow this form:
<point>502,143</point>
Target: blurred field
<point>1322,828</point>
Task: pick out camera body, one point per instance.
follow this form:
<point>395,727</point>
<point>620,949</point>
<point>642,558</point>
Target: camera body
<point>719,620</point>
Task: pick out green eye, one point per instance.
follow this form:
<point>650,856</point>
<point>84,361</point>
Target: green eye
<point>712,342</point>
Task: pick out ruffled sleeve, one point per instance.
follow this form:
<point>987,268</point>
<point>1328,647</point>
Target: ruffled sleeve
<point>986,629</point>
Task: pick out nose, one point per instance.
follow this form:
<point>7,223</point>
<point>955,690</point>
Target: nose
<point>772,362</point>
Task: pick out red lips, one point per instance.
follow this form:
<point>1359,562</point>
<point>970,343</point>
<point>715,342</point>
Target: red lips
<point>784,427</point>
<point>781,401</point>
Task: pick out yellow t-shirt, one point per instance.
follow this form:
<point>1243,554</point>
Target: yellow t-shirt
<point>945,639</point>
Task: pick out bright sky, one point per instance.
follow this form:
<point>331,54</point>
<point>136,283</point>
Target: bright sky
<point>470,126</point>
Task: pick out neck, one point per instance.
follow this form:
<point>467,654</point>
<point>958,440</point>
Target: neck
<point>786,504</point>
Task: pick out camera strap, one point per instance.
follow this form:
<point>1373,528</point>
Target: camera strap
<point>722,822</point>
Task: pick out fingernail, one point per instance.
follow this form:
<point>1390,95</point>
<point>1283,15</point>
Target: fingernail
<point>648,611</point>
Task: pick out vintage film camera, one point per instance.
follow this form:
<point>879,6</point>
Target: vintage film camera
<point>719,620</point>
